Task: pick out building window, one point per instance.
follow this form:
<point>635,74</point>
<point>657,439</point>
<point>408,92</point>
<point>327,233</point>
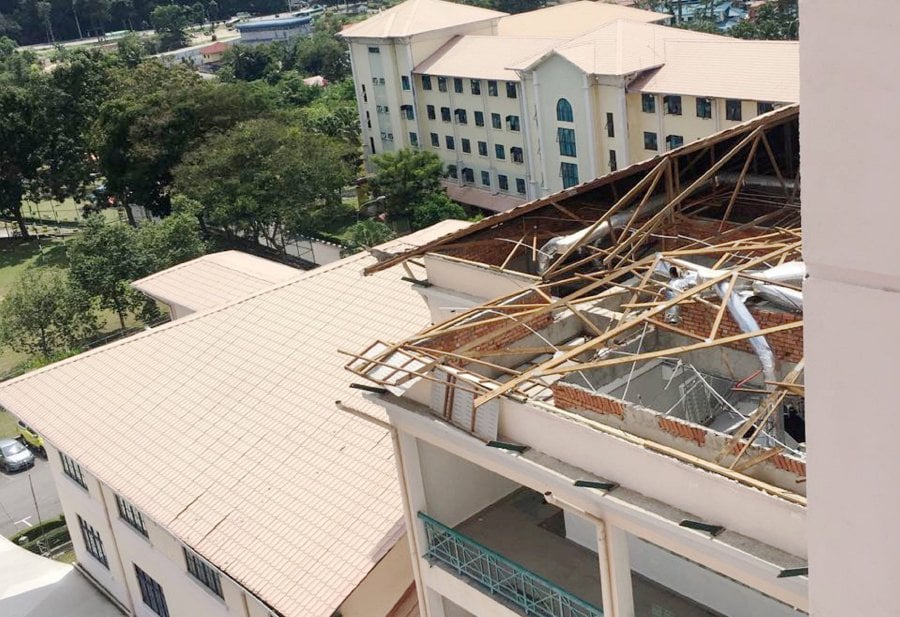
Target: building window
<point>566,138</point>
<point>426,82</point>
<point>430,110</point>
<point>479,118</point>
<point>520,186</point>
<point>435,140</point>
<point>374,50</point>
<point>492,87</point>
<point>407,111</point>
<point>569,173</point>
<point>73,470</point>
<point>482,148</point>
<point>648,103</point>
<point>650,141</point>
<point>404,82</point>
<point>382,109</point>
<point>704,107</point>
<point>414,140</point>
<point>674,141</point>
<point>503,182</point>
<point>151,593</point>
<point>512,123</point>
<point>564,111</point>
<point>452,171</point>
<point>517,155</point>
<point>510,89</point>
<point>457,85</point>
<point>476,86</point>
<point>466,145</point>
<point>372,145</point>
<point>93,542</point>
<point>733,110</point>
<point>468,175</point>
<point>445,114</point>
<point>673,104</point>
<point>368,120</point>
<point>610,127</point>
<point>365,96</point>
<point>442,84</point>
<point>461,116</point>
<point>612,161</point>
<point>201,570</point>
<point>764,108</point>
<point>450,143</point>
<point>496,122</point>
<point>486,178</point>
<point>500,151</point>
<point>131,515</point>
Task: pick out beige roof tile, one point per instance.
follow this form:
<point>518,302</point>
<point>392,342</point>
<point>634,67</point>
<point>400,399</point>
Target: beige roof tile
<point>215,279</point>
<point>222,427</point>
<point>750,70</point>
<point>485,57</point>
<point>572,19</point>
<point>418,16</point>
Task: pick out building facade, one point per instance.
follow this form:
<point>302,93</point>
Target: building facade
<point>273,30</point>
<point>519,107</point>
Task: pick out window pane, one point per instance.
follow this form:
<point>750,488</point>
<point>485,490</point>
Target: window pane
<point>457,85</point>
<point>492,88</point>
<point>476,86</point>
<point>500,151</point>
<point>426,82</point>
<point>564,111</point>
<point>511,89</point>
<point>479,118</point>
<point>566,138</point>
<point>650,141</point>
<point>648,103</point>
<point>486,178</point>
<point>503,182</point>
<point>496,122</point>
<point>569,173</point>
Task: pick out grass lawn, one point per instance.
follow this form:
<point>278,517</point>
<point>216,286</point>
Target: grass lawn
<point>7,424</point>
<point>67,211</point>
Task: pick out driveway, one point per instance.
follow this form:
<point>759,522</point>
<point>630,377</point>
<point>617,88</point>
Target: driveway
<point>17,511</point>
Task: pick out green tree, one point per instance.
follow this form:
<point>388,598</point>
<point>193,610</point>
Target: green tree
<point>320,54</point>
<point>212,10</point>
<point>131,49</point>
<point>170,22</point>
<point>103,260</point>
<point>406,178</point>
<point>45,314</point>
<point>367,234</point>
<point>435,208</point>
<point>175,239</point>
<point>265,178</point>
<point>776,20</point>
<point>249,63</point>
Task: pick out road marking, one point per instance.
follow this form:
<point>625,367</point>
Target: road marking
<point>24,520</point>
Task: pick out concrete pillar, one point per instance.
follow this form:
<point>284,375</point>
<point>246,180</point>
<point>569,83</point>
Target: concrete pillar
<point>615,571</point>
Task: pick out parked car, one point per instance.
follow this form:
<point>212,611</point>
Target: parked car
<point>30,438</point>
<point>14,456</point>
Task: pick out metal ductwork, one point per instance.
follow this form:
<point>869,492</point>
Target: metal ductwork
<point>755,181</point>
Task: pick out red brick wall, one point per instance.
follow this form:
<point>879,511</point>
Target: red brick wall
<point>451,341</point>
<point>566,396</point>
<point>702,229</point>
<point>787,344</point>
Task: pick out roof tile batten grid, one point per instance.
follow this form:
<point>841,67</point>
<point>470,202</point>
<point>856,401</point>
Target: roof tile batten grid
<point>209,420</point>
<point>652,280</point>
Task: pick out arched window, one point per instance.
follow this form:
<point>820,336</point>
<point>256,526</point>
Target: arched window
<point>563,111</point>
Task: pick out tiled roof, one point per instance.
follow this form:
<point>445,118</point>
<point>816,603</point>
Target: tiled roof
<point>484,57</point>
<point>222,427</point>
<point>474,196</point>
<point>623,46</point>
<point>418,16</point>
<point>214,280</point>
<point>572,19</point>
<point>749,70</point>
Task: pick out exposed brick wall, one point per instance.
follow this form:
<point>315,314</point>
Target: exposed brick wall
<point>451,341</point>
<point>678,428</point>
<point>566,396</point>
<point>787,344</point>
<point>701,229</point>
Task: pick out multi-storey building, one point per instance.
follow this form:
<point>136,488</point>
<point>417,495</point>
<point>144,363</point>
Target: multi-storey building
<point>203,467</point>
<point>522,106</point>
<point>621,431</point>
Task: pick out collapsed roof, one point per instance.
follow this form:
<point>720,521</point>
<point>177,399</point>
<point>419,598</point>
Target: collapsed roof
<point>670,291</point>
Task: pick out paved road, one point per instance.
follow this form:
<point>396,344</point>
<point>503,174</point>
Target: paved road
<point>16,503</point>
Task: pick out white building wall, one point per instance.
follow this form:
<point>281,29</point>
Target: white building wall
<point>848,136</point>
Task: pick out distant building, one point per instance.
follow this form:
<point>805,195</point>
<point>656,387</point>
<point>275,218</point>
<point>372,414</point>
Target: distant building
<point>275,29</point>
<point>522,106</point>
<point>212,54</point>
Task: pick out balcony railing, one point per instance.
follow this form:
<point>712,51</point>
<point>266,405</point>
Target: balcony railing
<point>530,592</point>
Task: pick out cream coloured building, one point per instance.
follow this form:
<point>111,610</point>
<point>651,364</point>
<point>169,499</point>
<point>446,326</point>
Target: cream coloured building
<point>522,106</point>
<point>204,467</point>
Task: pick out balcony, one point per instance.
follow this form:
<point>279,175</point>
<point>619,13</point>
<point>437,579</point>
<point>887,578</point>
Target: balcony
<point>517,550</point>
<point>531,593</point>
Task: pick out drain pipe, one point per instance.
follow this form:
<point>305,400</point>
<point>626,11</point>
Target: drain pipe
<point>404,496</point>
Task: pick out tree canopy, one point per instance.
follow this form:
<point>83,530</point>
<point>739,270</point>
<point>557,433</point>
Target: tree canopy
<point>45,314</point>
<point>405,178</point>
<point>266,177</point>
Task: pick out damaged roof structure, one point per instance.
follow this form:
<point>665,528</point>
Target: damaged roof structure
<point>664,300</point>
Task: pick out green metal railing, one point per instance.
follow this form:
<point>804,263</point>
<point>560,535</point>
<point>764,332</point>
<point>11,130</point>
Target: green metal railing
<point>530,592</point>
